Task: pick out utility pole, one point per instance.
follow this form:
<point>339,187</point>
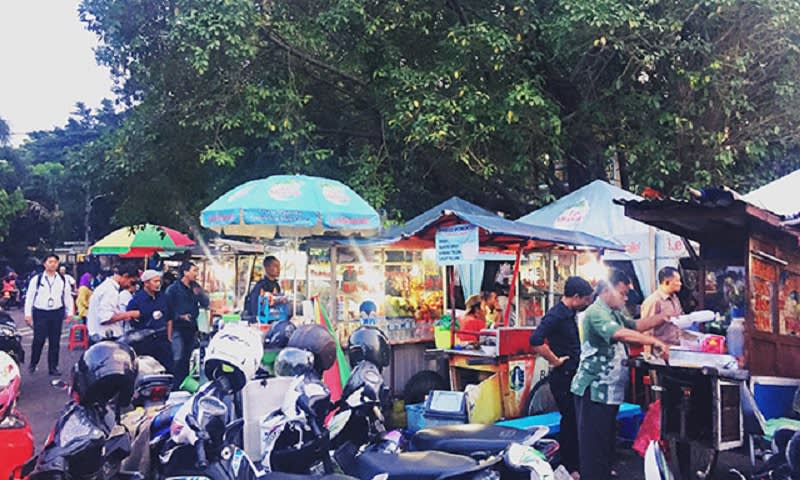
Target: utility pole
<point>87,214</point>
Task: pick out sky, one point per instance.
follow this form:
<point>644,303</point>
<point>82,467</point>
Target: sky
<point>46,65</point>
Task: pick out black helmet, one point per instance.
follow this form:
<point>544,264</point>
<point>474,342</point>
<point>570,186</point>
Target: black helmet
<point>105,370</point>
<point>293,362</point>
<point>317,340</point>
<point>279,334</point>
<point>370,344</point>
<point>152,380</point>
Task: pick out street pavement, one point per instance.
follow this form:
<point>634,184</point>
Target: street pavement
<point>42,403</point>
<point>39,401</point>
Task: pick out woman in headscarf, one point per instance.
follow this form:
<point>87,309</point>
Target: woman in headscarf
<point>84,293</point>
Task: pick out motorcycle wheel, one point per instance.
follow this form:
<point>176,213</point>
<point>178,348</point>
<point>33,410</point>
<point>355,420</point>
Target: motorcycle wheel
<point>541,399</point>
<point>418,386</point>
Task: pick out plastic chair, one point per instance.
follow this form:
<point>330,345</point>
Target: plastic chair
<point>78,336</point>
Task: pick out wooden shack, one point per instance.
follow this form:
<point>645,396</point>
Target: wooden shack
<point>746,244</point>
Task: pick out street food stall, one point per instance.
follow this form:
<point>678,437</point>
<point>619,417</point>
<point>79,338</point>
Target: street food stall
<point>503,365</point>
<point>748,260</point>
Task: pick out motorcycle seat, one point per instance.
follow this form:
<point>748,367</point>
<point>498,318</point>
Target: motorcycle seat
<point>467,439</point>
<point>411,465</point>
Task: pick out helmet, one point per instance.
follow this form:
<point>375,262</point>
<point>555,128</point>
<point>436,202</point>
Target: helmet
<point>369,344</point>
<point>279,334</point>
<point>317,340</point>
<point>293,362</point>
<point>153,381</point>
<point>236,350</point>
<point>367,309</point>
<point>106,369</point>
<point>9,383</point>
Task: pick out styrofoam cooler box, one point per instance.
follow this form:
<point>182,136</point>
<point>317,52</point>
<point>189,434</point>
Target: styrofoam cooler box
<point>259,399</point>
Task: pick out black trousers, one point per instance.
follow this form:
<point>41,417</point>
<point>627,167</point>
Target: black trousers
<point>47,325</point>
<point>161,350</point>
<point>560,383</point>
<point>596,425</point>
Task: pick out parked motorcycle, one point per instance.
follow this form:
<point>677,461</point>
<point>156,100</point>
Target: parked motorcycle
<point>10,339</point>
<point>783,464</point>
<point>15,431</point>
<point>87,441</point>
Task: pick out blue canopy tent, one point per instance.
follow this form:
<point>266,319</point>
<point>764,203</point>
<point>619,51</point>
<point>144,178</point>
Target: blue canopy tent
<point>591,210</point>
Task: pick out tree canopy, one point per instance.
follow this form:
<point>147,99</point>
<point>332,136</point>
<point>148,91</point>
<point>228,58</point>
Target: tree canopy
<point>508,103</point>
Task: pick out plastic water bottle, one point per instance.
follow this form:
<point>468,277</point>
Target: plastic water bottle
<point>735,337</point>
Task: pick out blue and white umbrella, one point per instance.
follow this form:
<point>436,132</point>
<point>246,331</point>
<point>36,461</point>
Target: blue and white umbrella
<point>291,206</point>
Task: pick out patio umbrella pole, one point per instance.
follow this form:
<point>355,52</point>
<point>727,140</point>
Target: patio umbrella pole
<point>513,288</point>
<point>294,283</point>
<point>451,288</point>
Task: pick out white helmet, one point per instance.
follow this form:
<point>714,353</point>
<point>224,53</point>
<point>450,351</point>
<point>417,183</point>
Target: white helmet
<point>236,352</point>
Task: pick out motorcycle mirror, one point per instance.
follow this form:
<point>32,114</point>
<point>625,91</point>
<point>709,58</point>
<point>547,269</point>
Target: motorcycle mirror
<point>59,384</point>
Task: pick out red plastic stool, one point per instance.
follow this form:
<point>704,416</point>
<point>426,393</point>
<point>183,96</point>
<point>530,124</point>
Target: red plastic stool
<point>78,337</point>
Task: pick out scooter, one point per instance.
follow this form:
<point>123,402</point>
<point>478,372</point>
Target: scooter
<point>209,450</point>
<point>361,413</point>
<point>15,431</point>
<point>783,464</point>
<point>83,445</point>
<point>10,339</point>
<point>359,421</point>
<point>295,440</point>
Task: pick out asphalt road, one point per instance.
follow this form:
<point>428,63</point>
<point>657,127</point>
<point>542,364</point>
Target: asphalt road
<point>42,404</point>
<point>39,400</point>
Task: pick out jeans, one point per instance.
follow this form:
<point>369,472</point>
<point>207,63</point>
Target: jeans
<point>183,342</point>
<point>596,425</point>
<point>560,384</point>
<point>47,325</point>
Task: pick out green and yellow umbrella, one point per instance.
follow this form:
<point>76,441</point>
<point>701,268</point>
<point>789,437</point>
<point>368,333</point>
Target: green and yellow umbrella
<point>141,241</point>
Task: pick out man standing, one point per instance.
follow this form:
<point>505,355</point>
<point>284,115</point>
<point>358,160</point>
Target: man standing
<point>184,299</point>
<point>599,385</point>
<point>73,287</point>
<point>267,285</point>
<point>106,318</point>
<point>664,301</point>
<point>149,309</point>
<point>563,350</point>
<point>47,304</point>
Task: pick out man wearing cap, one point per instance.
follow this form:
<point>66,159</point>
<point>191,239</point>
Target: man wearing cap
<point>149,309</point>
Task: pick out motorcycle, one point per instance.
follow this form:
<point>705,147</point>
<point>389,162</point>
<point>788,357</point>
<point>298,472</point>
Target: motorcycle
<point>15,431</point>
<point>10,338</point>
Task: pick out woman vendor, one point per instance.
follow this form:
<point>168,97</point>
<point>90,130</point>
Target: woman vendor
<point>472,322</point>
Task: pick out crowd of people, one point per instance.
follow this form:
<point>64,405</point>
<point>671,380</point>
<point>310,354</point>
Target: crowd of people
<point>113,303</point>
<point>589,375</point>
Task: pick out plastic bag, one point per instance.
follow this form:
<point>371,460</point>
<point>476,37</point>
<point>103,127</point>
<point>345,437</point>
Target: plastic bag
<point>650,430</point>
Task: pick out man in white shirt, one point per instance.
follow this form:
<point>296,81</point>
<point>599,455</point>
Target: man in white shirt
<point>47,304</point>
<point>106,318</point>
<point>73,286</point>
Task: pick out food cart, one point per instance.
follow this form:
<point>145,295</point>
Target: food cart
<point>505,365</point>
<point>748,260</point>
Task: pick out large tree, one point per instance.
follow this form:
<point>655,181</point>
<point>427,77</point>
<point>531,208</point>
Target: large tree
<point>504,102</point>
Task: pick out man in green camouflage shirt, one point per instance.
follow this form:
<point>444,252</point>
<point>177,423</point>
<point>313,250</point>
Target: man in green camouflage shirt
<point>599,385</point>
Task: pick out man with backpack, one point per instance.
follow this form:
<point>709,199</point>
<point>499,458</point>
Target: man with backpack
<point>48,303</point>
